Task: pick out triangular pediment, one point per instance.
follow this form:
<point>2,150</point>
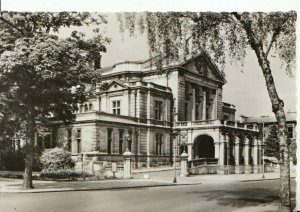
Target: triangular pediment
<point>203,65</point>
<point>116,85</point>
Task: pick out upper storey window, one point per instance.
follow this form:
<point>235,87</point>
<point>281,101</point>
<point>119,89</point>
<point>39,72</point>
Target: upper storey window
<point>158,109</point>
<point>116,107</point>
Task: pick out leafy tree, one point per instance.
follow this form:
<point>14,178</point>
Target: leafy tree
<point>42,75</point>
<point>272,143</point>
<point>227,34</point>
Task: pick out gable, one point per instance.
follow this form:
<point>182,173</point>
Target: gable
<point>114,86</point>
<point>203,66</point>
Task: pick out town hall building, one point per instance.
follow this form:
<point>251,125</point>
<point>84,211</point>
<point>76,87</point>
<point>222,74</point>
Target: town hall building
<point>158,114</point>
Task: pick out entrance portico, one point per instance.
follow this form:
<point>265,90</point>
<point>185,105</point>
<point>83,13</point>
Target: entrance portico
<point>235,146</point>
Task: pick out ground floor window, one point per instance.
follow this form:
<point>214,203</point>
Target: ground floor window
<point>78,139</point>
<point>158,149</point>
<point>109,140</point>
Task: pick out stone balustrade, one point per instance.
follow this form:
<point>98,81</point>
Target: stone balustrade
<point>215,123</point>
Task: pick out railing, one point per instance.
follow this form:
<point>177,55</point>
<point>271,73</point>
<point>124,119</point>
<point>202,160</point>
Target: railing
<point>215,123</point>
<point>202,161</point>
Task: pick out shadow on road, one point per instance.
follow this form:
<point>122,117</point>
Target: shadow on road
<point>243,197</point>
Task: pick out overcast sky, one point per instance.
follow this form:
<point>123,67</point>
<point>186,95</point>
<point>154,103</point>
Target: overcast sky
<point>245,89</point>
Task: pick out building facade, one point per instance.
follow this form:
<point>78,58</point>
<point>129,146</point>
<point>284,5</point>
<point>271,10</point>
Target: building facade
<point>159,114</point>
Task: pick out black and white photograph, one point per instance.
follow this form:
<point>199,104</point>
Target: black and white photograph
<point>139,105</point>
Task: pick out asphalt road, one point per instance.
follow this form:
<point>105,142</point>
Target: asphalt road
<point>244,196</point>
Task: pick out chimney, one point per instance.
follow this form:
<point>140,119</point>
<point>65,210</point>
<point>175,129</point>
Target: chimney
<point>97,61</point>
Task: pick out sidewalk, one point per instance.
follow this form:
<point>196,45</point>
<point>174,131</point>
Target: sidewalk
<point>142,179</point>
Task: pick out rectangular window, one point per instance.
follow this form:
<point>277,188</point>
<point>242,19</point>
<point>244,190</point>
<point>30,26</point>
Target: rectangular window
<point>78,139</point>
<point>158,109</point>
<point>130,140</point>
<point>186,111</point>
<point>116,107</point>
<point>109,140</point>
<point>290,132</point>
<point>69,139</point>
<point>121,142</point>
<point>197,112</point>
<point>158,149</point>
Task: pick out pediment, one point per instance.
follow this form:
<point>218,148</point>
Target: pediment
<point>115,85</point>
<point>204,66</point>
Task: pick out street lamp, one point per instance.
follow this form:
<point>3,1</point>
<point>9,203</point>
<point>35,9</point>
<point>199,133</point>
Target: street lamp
<point>176,135</point>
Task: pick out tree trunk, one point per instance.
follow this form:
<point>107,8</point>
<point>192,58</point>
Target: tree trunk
<point>30,133</point>
<point>278,110</point>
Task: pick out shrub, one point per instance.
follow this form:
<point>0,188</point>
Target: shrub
<point>63,174</point>
<point>56,159</point>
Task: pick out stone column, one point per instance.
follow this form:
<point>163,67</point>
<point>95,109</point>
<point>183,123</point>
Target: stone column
<point>149,139</point>
<point>204,106</point>
<point>127,164</point>
<point>190,152</point>
<point>193,104</point>
<point>255,149</point>
<point>237,155</point>
<point>149,106</point>
<point>221,154</point>
<point>217,149</point>
<point>246,158</point>
<point>183,165</point>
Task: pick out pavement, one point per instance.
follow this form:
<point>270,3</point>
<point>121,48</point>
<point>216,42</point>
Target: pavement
<point>141,178</point>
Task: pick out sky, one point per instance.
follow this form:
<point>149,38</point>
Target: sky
<point>246,89</point>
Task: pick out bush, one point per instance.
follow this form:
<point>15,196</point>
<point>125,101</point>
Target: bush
<point>57,159</point>
<point>63,174</point>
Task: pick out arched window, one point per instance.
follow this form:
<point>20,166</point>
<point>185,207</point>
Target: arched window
<point>86,108</point>
<point>81,109</point>
<point>90,106</point>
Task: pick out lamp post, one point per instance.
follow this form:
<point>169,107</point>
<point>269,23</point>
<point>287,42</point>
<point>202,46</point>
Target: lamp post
<point>176,136</point>
<point>263,150</point>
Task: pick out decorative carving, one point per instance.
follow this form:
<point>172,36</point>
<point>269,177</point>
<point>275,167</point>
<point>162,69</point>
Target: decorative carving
<point>201,66</point>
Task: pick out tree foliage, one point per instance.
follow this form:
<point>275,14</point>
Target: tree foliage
<point>175,34</point>
<point>42,75</point>
<point>272,143</point>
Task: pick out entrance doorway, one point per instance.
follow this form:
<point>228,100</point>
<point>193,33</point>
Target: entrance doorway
<point>204,147</point>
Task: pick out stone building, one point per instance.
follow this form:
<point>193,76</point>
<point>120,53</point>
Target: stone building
<point>156,114</point>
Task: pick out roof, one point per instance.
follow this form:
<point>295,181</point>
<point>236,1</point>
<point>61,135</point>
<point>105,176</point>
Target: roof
<point>290,117</point>
<point>147,65</point>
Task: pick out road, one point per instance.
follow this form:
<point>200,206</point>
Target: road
<point>239,196</point>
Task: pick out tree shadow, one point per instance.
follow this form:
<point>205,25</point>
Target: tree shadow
<point>244,197</point>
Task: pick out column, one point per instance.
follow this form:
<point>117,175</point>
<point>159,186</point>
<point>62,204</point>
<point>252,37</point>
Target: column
<point>193,104</point>
<point>237,168</point>
<point>204,106</point>
<point>237,150</point>
<point>246,158</point>
<point>190,141</point>
<point>217,149</point>
<point>221,154</point>
<point>148,146</point>
<point>166,103</point>
<point>255,149</point>
<point>148,106</point>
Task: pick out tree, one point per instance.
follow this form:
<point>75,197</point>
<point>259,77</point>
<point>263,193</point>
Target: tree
<point>227,34</point>
<point>42,75</point>
<point>271,143</point>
